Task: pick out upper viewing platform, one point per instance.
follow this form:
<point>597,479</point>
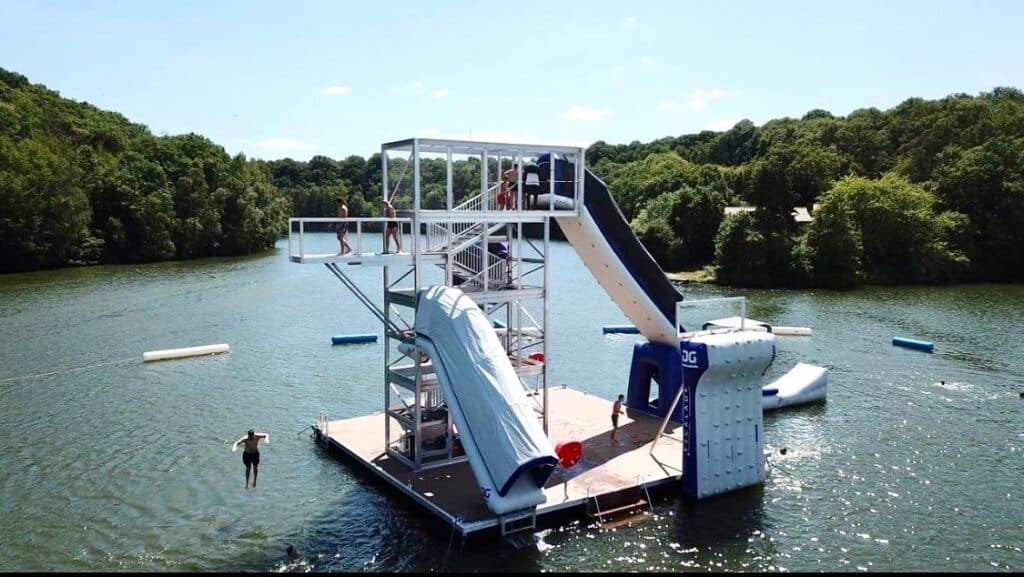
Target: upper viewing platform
<point>444,180</point>
<point>438,197</point>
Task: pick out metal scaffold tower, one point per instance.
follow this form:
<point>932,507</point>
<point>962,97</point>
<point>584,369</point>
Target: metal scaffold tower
<point>460,225</point>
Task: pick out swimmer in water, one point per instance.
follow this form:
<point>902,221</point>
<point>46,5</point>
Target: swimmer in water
<point>251,454</point>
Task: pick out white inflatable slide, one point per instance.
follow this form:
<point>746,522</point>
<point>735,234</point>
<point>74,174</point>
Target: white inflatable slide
<point>509,453</point>
<point>803,383</point>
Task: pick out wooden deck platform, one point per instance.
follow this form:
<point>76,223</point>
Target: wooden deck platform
<point>451,492</point>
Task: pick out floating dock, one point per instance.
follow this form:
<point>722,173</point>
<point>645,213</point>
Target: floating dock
<point>604,479</point>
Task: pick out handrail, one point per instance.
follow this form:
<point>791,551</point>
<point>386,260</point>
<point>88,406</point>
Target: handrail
<point>639,481</point>
<point>403,223</point>
<point>297,219</point>
<point>478,277</point>
<point>693,303</point>
<point>460,237</point>
<point>477,199</point>
<point>664,421</point>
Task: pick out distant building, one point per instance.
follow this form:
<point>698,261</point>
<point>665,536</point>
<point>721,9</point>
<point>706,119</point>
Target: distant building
<point>800,214</point>
<point>738,209</point>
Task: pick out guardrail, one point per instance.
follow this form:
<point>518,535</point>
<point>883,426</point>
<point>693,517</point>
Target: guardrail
<point>404,230</point>
<point>680,305</point>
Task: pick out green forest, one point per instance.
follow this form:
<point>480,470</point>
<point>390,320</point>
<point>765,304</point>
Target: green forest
<point>930,191</point>
<point>80,185</point>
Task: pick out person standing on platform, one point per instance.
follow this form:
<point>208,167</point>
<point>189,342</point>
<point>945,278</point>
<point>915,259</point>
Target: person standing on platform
<point>616,411</point>
<point>342,227</point>
<point>511,178</point>
<point>251,454</point>
<point>531,184</point>
<point>391,229</point>
<point>503,193</point>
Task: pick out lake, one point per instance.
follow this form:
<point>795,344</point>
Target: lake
<point>915,463</point>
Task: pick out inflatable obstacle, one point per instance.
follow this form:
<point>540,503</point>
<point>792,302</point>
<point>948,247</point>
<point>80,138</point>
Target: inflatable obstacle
<point>345,339</point>
<point>926,346</point>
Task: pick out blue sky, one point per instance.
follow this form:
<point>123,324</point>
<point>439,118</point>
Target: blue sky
<point>276,79</point>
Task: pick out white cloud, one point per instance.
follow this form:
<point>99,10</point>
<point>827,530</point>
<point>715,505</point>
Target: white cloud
<point>416,84</point>
<point>713,94</point>
<point>395,88</point>
<point>647,61</point>
<point>698,100</point>
<point>721,125</point>
<point>588,114</point>
<point>442,93</point>
<point>630,22</point>
<point>283,144</point>
<point>336,91</point>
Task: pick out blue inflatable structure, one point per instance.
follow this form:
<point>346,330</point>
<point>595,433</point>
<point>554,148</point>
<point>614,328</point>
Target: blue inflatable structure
<point>926,346</point>
<point>345,339</point>
<point>659,365</point>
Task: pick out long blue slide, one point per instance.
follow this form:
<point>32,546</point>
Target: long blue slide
<point>602,237</point>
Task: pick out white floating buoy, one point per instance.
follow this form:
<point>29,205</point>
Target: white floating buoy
<point>185,352</point>
<point>792,331</point>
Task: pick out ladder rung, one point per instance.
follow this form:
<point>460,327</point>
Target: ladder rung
<point>637,505</point>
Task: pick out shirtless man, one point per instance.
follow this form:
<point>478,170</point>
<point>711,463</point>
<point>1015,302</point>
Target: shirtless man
<point>616,411</point>
<point>342,227</point>
<point>512,175</point>
<point>391,230</point>
<point>251,454</point>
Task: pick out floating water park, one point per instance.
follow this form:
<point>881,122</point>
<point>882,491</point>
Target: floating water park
<point>471,429</point>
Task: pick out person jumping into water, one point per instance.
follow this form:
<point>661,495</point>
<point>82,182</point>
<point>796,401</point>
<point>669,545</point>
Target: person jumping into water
<point>251,454</point>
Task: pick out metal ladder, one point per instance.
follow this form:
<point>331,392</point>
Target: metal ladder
<point>643,500</point>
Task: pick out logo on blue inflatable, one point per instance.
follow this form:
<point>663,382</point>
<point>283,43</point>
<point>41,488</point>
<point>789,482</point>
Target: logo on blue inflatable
<point>694,355</point>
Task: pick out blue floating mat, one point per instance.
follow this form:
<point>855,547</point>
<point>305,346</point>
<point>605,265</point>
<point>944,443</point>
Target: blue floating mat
<point>345,339</point>
<point>926,346</point>
<point>629,329</point>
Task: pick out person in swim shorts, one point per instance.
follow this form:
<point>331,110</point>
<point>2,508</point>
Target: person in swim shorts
<point>251,454</point>
<point>616,411</point>
<point>391,228</point>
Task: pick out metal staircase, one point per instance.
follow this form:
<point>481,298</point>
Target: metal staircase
<point>468,246</point>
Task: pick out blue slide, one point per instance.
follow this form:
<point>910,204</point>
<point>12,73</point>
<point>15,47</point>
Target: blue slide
<point>614,255</point>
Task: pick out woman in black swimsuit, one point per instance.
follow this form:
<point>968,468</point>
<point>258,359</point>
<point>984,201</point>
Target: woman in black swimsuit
<point>251,454</point>
<point>342,227</point>
<point>391,228</point>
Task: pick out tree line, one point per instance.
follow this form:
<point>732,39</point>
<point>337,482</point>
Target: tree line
<point>930,191</point>
<point>80,185</point>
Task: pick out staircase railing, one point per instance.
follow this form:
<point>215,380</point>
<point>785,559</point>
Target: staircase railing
<point>477,202</point>
<point>496,270</point>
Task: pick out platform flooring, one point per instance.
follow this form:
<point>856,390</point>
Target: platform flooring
<point>451,492</point>
<point>365,258</point>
